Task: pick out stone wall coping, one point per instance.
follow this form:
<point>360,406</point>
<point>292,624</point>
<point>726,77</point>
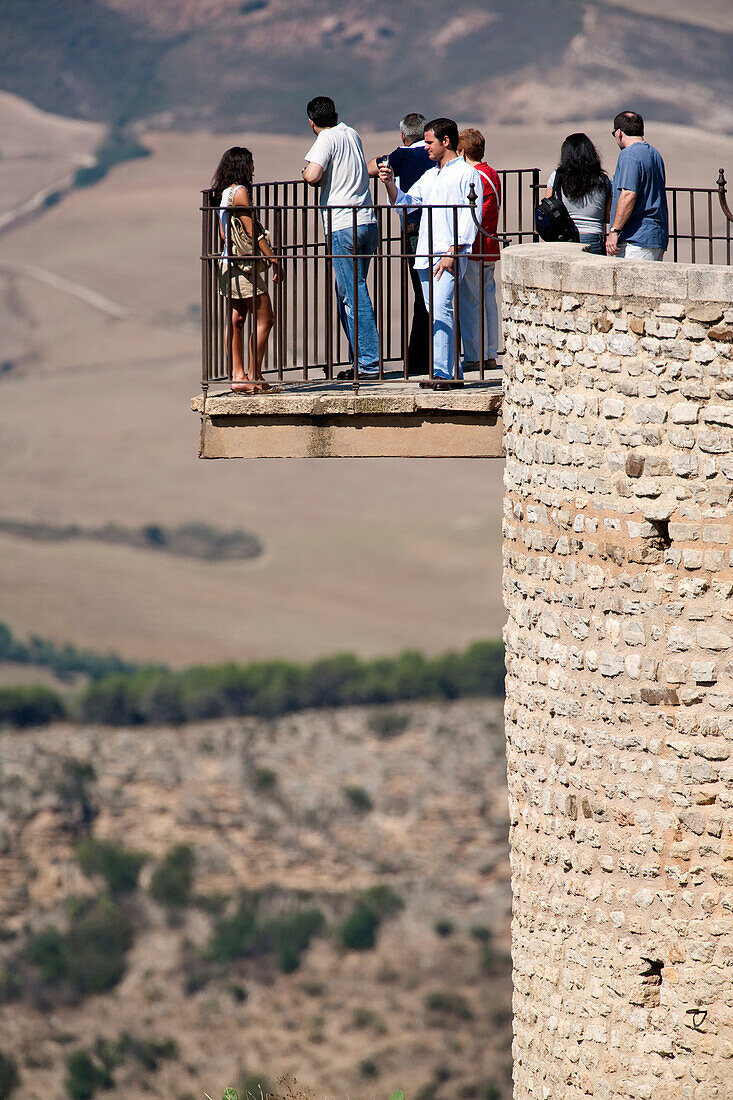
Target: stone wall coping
<point>327,402</point>
<point>568,268</point>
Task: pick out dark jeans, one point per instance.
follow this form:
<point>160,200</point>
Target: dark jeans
<point>596,241</point>
<point>417,348</point>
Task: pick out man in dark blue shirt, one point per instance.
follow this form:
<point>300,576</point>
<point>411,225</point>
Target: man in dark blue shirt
<point>409,162</point>
<point>639,220</point>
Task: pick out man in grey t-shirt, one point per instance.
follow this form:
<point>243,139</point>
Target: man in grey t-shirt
<point>336,161</point>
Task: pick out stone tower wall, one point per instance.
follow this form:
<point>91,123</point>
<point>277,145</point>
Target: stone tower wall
<point>618,577</point>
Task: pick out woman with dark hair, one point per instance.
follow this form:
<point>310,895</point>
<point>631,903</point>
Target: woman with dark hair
<point>240,275</point>
<point>585,189</point>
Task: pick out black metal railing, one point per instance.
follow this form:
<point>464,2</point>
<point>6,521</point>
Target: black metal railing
<point>308,342</point>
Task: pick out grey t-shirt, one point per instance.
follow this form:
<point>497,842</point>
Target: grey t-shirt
<point>588,213</point>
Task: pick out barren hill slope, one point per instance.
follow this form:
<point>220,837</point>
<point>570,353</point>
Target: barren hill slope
<point>251,63</point>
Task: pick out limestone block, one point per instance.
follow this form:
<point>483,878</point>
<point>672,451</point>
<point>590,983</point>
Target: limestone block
<point>685,412</point>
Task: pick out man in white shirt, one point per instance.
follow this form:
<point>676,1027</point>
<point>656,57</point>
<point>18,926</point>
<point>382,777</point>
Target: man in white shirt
<point>445,234</point>
<point>336,161</point>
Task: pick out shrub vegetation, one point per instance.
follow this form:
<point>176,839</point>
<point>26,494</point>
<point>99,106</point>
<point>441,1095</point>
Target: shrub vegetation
<point>118,867</point>
<point>9,1078</point>
<point>121,695</point>
<point>173,878</point>
<point>90,957</point>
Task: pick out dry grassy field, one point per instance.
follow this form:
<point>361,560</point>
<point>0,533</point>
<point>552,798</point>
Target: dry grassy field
<point>372,556</point>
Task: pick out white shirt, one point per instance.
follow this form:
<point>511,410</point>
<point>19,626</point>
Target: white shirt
<point>447,185</point>
<point>345,180</point>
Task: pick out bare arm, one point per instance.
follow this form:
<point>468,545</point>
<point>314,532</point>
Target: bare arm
<point>624,207</point>
<point>548,192</point>
<point>312,173</point>
<point>373,168</point>
<point>241,199</point>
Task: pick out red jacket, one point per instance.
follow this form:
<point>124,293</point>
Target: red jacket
<point>490,214</point>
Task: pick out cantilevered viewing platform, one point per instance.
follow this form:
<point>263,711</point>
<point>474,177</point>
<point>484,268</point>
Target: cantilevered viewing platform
<point>394,419</point>
<point>309,412</point>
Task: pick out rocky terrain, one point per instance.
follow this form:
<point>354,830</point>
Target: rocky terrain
<point>308,811</point>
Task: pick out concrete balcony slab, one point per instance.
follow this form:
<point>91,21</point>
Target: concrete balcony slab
<point>330,420</point>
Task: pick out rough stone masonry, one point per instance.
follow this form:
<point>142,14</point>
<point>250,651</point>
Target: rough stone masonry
<point>618,576</point>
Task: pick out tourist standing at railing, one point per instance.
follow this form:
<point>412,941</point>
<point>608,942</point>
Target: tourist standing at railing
<point>485,253</point>
<point>444,187</point>
<point>242,277</point>
<point>409,162</point>
<point>585,189</point>
<point>336,161</point>
<point>639,218</point>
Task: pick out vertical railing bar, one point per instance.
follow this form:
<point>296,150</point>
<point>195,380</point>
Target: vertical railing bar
<point>456,296</point>
<point>304,224</point>
<point>329,294</point>
<point>205,371</point>
<point>520,216</point>
<point>692,226</point>
<point>535,199</point>
<point>379,259</point>
<point>355,277</point>
<point>431,312</point>
<point>481,295</point>
<point>404,322</point>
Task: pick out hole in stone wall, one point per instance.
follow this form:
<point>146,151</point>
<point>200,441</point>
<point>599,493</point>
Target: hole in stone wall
<point>661,533</point>
<point>654,969</point>
<point>647,993</point>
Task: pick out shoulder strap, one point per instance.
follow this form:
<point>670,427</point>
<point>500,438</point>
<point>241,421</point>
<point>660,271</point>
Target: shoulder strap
<point>487,177</point>
<point>556,184</point>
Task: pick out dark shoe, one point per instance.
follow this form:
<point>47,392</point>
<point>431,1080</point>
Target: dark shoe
<point>441,384</point>
<point>348,375</point>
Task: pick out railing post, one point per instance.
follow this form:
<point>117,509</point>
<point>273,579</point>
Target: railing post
<point>722,187</point>
<point>535,200</point>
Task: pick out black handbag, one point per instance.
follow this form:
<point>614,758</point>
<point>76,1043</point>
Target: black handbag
<point>552,220</point>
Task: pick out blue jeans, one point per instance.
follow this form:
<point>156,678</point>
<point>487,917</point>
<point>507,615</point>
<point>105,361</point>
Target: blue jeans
<point>596,241</point>
<point>444,325</point>
<point>343,268</point>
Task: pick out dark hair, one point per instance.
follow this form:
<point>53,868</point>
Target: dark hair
<point>322,111</point>
<point>580,168</point>
<point>472,144</point>
<point>629,123</point>
<point>236,166</point>
<point>444,128</point>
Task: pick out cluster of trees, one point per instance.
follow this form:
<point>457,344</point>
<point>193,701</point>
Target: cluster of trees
<point>118,146</point>
<point>266,689</point>
<point>64,661</point>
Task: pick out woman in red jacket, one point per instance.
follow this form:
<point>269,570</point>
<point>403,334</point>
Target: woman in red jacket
<point>480,268</point>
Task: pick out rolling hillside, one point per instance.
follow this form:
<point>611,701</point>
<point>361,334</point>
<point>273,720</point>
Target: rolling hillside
<point>222,64</point>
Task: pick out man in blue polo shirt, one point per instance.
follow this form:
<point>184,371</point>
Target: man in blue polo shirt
<point>409,162</point>
<point>639,221</point>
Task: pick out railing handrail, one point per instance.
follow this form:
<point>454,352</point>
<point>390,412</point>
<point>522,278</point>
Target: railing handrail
<point>307,335</point>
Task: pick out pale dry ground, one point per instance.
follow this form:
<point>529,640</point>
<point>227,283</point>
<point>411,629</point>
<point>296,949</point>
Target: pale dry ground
<point>38,149</point>
<point>436,834</point>
<point>371,556</point>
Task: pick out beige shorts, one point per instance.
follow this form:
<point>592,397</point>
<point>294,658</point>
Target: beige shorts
<point>241,279</point>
